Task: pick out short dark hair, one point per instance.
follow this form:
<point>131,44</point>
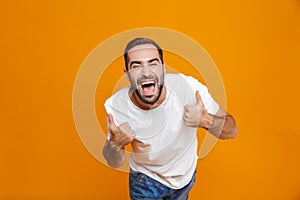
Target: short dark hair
<point>140,41</point>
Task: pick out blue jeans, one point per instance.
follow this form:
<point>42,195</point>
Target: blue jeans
<point>143,187</point>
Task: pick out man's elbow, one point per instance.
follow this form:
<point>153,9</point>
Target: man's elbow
<point>114,164</point>
<point>229,135</point>
<point>111,159</point>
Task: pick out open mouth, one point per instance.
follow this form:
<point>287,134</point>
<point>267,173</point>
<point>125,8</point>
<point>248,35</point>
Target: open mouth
<point>148,88</point>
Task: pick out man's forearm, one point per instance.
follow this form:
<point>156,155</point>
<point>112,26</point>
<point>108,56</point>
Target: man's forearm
<point>115,157</point>
<point>223,127</point>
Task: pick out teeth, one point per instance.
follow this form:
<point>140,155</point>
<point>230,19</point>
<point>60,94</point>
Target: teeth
<point>148,82</point>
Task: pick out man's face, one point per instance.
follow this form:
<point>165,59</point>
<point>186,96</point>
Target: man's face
<point>146,72</point>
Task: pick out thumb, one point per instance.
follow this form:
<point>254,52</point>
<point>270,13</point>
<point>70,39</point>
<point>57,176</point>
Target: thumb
<point>111,123</point>
<point>198,99</point>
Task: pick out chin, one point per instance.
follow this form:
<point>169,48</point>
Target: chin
<point>150,100</point>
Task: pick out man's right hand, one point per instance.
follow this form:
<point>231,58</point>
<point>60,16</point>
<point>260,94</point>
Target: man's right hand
<point>120,136</point>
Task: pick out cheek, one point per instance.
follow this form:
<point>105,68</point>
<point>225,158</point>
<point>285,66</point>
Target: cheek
<point>132,78</point>
<point>160,73</point>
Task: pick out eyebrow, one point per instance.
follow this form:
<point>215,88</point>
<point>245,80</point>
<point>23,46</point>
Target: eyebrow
<point>149,61</point>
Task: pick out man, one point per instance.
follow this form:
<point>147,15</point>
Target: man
<point>159,115</point>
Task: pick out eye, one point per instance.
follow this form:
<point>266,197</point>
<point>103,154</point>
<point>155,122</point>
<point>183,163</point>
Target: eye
<point>135,67</point>
<point>155,63</point>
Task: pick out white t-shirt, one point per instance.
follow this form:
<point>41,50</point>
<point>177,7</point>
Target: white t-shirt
<point>164,148</point>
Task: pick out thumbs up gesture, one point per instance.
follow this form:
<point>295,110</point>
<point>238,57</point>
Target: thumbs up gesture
<point>120,135</point>
<point>196,115</point>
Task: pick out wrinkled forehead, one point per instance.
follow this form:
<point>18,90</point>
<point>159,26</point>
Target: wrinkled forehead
<point>142,47</point>
<point>143,52</point>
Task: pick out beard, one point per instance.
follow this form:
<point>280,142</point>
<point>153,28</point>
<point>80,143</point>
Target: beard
<point>150,99</point>
<point>156,86</point>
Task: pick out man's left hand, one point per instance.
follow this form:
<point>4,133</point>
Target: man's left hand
<point>196,115</point>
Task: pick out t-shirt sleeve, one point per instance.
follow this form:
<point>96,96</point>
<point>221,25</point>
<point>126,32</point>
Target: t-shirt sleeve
<point>108,109</point>
<point>210,104</point>
<point>112,106</point>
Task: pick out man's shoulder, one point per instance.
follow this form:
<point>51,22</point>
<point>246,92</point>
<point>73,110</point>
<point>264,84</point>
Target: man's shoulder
<point>175,77</point>
<point>179,78</point>
<point>120,95</point>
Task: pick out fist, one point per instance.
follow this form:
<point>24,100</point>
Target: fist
<point>120,135</point>
<point>196,115</point>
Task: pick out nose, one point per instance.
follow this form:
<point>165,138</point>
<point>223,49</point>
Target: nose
<point>146,70</point>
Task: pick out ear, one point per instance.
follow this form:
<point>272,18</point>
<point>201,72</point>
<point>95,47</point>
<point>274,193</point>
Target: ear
<point>126,74</point>
<point>165,70</point>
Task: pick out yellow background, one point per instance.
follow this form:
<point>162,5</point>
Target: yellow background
<point>255,44</point>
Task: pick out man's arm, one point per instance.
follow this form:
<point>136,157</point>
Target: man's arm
<point>114,156</point>
<point>221,125</point>
<point>114,149</point>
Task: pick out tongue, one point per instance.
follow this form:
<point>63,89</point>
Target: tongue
<point>148,91</point>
